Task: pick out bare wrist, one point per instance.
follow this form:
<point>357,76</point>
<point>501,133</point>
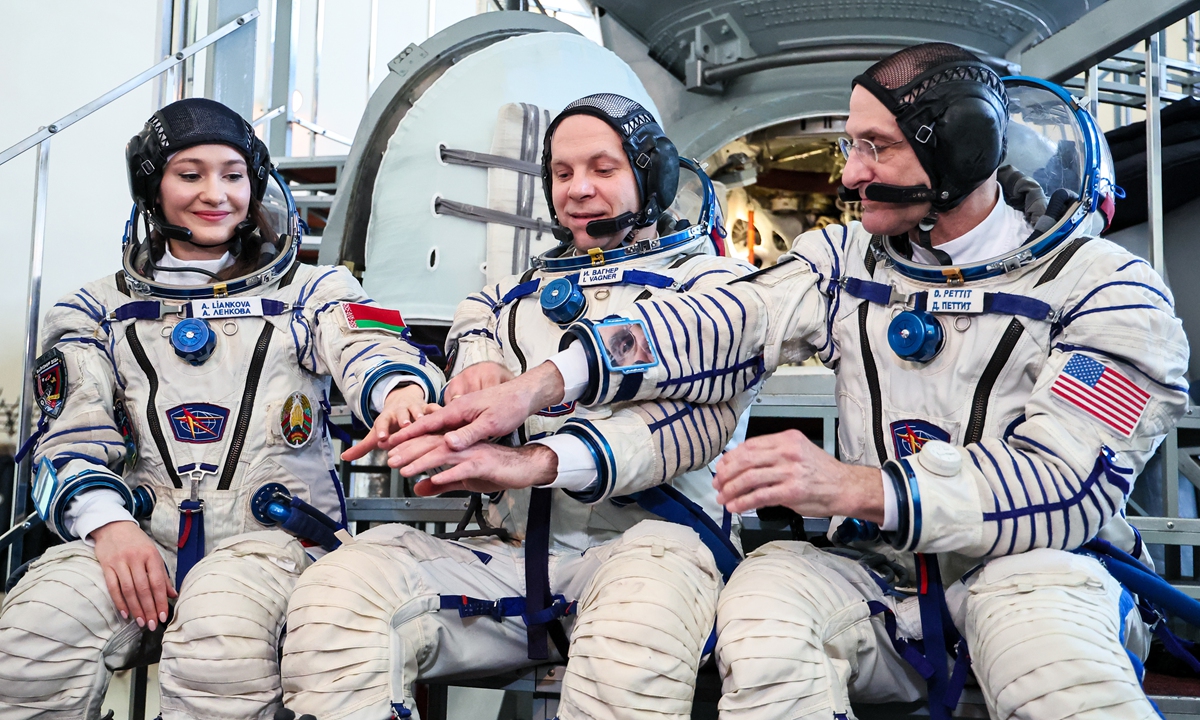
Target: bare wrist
<point>542,463</point>
<point>865,501</point>
<point>547,384</point>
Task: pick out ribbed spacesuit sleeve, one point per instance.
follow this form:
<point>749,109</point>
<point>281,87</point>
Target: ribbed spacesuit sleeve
<point>83,442</point>
<point>712,344</point>
<point>1113,386</point>
<point>474,335</point>
<point>649,443</point>
<point>358,342</point>
<point>652,442</point>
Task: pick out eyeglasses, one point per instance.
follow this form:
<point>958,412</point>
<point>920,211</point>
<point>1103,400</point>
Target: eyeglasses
<point>867,150</point>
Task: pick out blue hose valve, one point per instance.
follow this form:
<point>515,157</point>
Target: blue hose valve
<point>915,335</point>
<point>193,340</point>
<point>562,301</point>
<point>271,504</point>
<point>855,530</point>
<point>279,510</point>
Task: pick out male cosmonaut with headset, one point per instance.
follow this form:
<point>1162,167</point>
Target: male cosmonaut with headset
<point>581,490</point>
<point>1003,377</point>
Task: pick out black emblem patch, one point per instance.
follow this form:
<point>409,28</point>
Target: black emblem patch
<point>50,382</point>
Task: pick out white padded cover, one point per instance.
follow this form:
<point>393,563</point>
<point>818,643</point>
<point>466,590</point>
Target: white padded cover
<point>546,70</point>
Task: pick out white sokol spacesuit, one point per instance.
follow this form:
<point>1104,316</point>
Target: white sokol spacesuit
<point>1011,401</point>
<point>636,595</point>
<point>131,418</point>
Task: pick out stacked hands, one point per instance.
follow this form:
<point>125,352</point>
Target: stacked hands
<point>487,402</point>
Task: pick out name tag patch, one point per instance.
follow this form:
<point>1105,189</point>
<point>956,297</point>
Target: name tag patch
<point>603,275</point>
<point>956,301</point>
<point>224,308</point>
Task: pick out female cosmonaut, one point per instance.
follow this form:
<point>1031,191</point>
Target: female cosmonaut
<point>183,404</point>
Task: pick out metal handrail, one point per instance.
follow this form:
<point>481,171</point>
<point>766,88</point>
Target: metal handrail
<point>41,140</point>
<point>126,87</point>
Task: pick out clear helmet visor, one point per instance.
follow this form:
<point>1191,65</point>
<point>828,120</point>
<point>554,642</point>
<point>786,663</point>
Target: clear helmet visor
<point>1056,170</point>
<point>278,214</point>
<point>695,202</point>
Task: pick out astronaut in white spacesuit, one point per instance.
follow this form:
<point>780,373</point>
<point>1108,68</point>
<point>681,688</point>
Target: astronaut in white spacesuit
<point>581,490</point>
<point>1002,378</point>
<point>183,407</point>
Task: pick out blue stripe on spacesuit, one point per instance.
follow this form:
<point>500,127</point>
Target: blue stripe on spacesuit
<point>1007,494</point>
<point>96,311</point>
<point>486,303</point>
<point>72,431</point>
<point>60,459</point>
<point>669,418</point>
<point>1028,500</point>
<point>688,285</point>
<point>1100,469</point>
<point>1065,321</point>
<point>1135,261</point>
<point>1071,347</point>
<point>705,374</point>
<point>914,494</point>
<point>696,309</point>
<point>362,352</point>
<point>729,323</point>
<point>1045,497</point>
<point>1114,283</point>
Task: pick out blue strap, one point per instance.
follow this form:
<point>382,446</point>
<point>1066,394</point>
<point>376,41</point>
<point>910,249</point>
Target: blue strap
<point>29,443</point>
<point>1008,304</point>
<point>139,310</point>
<point>903,647</point>
<point>537,569</point>
<point>997,303</point>
<point>868,290</point>
<point>673,506</point>
<point>335,431</point>
<point>191,539</point>
<point>1143,582</point>
<point>507,607</point>
<point>931,600</point>
<point>309,523</point>
<point>526,288</point>
<point>153,309</point>
<point>648,279</point>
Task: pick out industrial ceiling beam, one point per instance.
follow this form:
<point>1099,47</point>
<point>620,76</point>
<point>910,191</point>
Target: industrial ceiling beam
<point>1101,33</point>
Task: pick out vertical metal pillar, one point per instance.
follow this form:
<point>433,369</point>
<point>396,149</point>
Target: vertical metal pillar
<point>372,47</point>
<point>318,42</point>
<point>1092,84</point>
<point>166,34</point>
<point>37,243</point>
<point>283,79</point>
<point>1154,192</point>
<point>230,73</point>
<point>430,18</point>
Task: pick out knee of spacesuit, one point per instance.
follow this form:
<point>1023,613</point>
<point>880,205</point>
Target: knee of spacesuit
<point>643,623</point>
<point>358,628</point>
<point>792,630</point>
<point>1047,632</point>
<point>220,654</point>
<point>60,638</point>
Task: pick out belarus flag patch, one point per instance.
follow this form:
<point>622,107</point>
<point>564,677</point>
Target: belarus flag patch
<point>371,317</point>
<point>1102,392</point>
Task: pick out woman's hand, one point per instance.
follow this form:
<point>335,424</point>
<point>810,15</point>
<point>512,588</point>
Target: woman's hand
<point>133,569</point>
<point>479,376</point>
<point>402,406</point>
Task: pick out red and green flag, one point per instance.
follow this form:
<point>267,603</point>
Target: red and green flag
<point>371,317</point>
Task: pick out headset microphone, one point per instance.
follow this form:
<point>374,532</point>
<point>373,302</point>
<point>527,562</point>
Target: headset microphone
<point>897,194</point>
<point>611,226</point>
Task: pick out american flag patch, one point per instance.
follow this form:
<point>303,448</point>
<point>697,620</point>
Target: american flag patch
<point>1102,392</point>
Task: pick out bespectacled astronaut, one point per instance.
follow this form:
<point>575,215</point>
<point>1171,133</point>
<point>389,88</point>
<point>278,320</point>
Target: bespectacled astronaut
<point>1003,376</point>
<point>578,498</point>
<point>184,402</point>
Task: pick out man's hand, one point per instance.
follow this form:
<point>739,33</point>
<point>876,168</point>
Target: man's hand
<point>787,469</point>
<point>494,412</point>
<point>133,569</point>
<point>474,378</point>
<point>403,405</point>
<point>481,468</point>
